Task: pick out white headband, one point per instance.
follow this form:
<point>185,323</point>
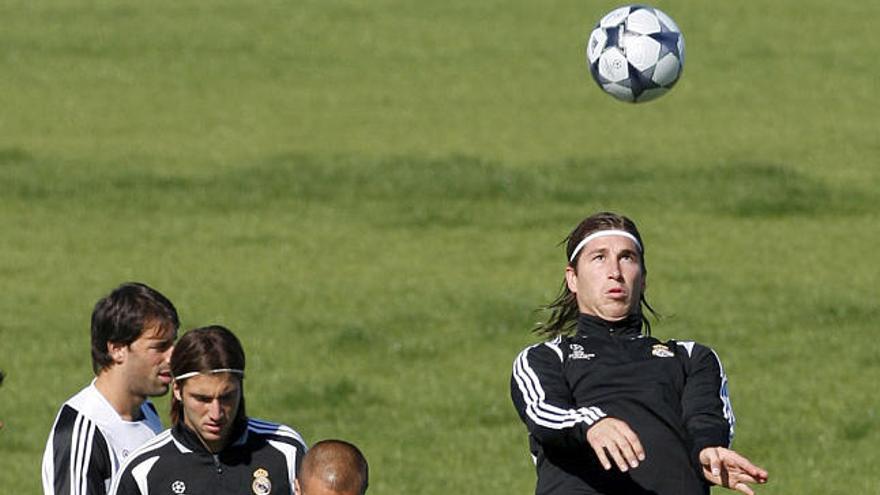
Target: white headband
<point>209,372</point>
<point>603,233</point>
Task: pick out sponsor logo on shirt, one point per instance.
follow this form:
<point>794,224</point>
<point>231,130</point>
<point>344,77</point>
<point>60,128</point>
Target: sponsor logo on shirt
<point>178,487</point>
<point>577,352</point>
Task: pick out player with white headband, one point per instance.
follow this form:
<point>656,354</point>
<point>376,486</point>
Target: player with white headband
<point>610,409</point>
<point>604,233</point>
<point>209,372</point>
<point>213,446</point>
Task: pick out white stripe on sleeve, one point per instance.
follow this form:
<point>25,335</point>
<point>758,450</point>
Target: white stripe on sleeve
<point>538,409</point>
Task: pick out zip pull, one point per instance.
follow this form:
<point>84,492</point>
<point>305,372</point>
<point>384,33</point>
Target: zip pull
<point>217,463</point>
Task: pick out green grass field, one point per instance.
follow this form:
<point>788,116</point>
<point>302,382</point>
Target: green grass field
<point>371,194</point>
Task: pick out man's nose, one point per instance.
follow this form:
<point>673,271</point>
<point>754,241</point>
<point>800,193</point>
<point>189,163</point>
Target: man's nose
<point>614,271</point>
<point>214,409</point>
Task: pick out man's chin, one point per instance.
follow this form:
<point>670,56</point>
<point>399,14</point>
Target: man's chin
<point>210,436</point>
<point>615,314</point>
<point>215,439</point>
<point>159,390</point>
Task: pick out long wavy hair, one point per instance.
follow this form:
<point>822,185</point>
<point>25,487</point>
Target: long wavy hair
<point>564,309</point>
<point>205,349</point>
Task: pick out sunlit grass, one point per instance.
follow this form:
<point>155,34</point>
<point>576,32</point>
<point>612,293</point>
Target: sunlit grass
<point>372,197</point>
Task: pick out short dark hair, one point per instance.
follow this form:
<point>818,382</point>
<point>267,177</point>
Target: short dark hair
<point>337,464</point>
<point>204,349</point>
<point>121,317</point>
<point>564,309</point>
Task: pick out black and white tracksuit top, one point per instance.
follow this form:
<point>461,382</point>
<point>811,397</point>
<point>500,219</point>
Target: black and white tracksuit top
<point>263,460</point>
<point>672,394</point>
<point>89,441</point>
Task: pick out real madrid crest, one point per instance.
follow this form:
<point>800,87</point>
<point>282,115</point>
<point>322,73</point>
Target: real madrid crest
<point>660,350</point>
<point>261,485</point>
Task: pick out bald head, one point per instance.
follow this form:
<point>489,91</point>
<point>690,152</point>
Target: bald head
<point>333,467</point>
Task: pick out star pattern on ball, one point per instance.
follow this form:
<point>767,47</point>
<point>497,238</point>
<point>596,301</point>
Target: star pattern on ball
<point>635,53</point>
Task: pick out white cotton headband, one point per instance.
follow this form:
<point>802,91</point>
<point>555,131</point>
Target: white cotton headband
<point>209,372</point>
<point>603,233</point>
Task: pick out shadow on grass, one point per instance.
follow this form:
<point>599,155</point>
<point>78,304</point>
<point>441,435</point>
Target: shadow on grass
<point>441,191</point>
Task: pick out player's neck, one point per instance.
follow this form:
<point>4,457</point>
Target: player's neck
<point>115,390</point>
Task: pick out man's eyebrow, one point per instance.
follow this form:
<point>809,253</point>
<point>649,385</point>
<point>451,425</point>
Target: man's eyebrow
<point>605,250</point>
<point>222,395</point>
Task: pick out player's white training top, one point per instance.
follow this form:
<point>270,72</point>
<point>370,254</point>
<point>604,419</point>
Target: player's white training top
<point>89,441</point>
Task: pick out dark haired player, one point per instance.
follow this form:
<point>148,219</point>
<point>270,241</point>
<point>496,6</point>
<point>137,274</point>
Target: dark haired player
<point>608,408</point>
<point>133,332</point>
<point>212,447</point>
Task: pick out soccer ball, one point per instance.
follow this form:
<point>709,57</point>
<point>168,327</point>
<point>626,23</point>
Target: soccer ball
<point>635,53</point>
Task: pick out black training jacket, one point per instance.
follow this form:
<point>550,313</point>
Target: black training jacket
<point>263,460</point>
<point>672,394</point>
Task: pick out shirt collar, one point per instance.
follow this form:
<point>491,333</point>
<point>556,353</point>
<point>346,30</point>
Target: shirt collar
<point>187,438</point>
<point>590,325</point>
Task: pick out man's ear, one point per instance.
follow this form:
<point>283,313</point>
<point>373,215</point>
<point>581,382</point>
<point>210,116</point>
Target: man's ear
<point>117,352</point>
<point>175,389</point>
<point>571,279</point>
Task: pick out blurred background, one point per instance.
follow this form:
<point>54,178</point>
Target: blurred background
<point>372,196</point>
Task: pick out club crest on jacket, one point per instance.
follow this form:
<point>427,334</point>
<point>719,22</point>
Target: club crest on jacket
<point>661,350</point>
